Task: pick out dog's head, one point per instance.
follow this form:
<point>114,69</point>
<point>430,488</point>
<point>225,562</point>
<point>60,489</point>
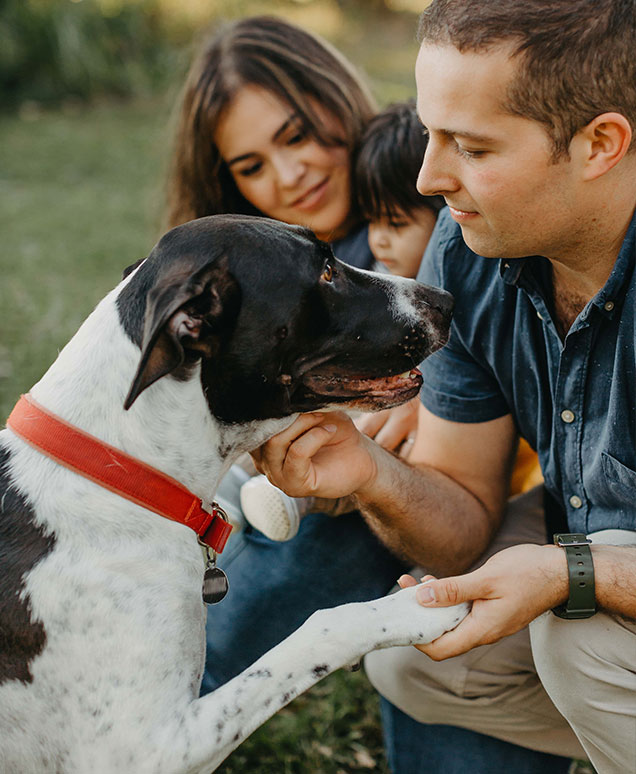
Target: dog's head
<point>278,324</point>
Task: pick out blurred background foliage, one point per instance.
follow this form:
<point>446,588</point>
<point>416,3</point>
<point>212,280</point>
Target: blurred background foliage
<point>57,50</point>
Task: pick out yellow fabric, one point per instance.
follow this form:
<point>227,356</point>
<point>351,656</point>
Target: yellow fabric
<point>527,472</point>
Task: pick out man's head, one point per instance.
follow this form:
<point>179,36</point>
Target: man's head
<point>525,140</point>
<point>575,58</point>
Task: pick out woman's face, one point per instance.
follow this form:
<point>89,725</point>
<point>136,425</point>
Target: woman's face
<point>282,170</point>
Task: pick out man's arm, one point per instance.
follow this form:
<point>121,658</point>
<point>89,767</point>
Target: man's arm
<point>518,584</point>
<point>439,510</point>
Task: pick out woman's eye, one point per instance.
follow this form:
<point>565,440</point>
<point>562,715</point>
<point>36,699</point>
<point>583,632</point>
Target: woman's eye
<point>251,170</point>
<point>297,134</point>
<point>296,138</point>
<point>327,273</point>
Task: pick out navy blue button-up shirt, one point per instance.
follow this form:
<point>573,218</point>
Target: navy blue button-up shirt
<point>573,401</point>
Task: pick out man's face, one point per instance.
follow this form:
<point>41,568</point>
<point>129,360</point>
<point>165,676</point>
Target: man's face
<point>494,169</point>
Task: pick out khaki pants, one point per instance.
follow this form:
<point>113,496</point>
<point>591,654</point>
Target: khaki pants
<point>522,688</point>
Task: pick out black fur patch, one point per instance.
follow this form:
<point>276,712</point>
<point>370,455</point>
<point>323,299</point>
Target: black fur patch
<point>22,546</point>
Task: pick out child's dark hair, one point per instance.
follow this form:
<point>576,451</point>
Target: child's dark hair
<point>387,163</point>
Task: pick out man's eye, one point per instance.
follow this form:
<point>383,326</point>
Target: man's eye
<point>468,154</point>
<point>398,224</point>
<point>327,273</point>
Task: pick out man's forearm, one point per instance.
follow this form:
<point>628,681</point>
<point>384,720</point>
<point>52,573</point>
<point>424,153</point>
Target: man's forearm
<point>425,516</point>
<point>615,578</point>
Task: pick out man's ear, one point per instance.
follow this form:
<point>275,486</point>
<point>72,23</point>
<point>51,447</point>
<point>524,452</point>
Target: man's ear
<point>185,317</point>
<point>607,139</point>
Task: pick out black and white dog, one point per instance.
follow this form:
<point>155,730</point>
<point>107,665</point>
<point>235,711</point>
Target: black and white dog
<point>241,323</point>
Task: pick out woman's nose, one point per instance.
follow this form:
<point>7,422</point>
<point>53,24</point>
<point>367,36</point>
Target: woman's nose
<point>289,169</point>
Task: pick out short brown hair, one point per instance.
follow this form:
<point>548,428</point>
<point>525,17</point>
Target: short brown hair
<point>576,57</point>
<point>300,68</point>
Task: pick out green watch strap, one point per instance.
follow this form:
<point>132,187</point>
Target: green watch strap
<point>582,600</point>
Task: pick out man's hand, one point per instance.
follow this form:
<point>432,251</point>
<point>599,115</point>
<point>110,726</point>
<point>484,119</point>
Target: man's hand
<point>511,589</point>
<point>393,428</point>
<point>320,454</point>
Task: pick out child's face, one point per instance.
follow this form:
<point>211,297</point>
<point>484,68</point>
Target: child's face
<point>399,243</point>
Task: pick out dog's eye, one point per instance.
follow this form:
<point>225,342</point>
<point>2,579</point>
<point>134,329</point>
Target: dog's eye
<point>327,273</point>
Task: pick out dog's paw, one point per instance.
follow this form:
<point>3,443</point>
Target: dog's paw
<point>405,622</point>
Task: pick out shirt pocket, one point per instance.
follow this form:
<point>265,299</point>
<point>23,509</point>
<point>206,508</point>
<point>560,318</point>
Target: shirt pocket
<point>618,475</point>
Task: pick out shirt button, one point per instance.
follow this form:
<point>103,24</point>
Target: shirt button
<point>608,306</point>
<point>567,416</point>
<point>576,501</point>
<point>539,315</point>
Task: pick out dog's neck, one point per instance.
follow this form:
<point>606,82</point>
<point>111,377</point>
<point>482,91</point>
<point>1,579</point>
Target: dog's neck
<point>169,426</point>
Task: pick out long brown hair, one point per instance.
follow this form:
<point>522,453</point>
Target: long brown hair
<point>294,65</point>
<point>576,58</point>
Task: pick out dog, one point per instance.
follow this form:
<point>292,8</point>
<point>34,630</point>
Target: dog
<point>215,342</point>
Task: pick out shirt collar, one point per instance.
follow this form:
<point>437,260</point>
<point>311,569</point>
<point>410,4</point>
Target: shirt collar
<point>510,270</point>
<point>605,300</point>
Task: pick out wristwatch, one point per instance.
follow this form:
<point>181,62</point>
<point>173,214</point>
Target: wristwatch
<point>582,600</point>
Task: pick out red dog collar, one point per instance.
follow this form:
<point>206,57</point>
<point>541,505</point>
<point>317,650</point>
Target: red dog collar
<point>115,470</point>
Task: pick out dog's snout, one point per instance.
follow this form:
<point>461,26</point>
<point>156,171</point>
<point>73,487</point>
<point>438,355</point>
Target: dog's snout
<point>440,300</point>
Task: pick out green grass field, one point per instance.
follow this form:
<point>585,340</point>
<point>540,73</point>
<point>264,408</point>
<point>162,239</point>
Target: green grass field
<point>79,191</point>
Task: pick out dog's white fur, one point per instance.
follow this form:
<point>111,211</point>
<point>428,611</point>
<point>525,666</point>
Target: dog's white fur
<point>115,687</point>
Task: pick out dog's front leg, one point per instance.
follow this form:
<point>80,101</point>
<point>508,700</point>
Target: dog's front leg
<point>330,639</point>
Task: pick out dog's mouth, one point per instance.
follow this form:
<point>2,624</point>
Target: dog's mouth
<point>331,383</point>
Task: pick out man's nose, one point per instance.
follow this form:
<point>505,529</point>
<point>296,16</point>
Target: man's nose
<point>436,175</point>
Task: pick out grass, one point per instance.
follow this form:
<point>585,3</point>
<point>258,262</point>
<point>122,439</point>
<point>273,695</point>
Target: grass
<point>332,729</point>
<point>80,190</point>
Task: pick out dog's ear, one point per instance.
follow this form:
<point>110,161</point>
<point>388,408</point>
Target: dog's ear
<point>185,318</point>
<point>130,269</point>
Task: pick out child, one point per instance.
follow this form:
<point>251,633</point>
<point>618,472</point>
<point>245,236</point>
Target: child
<point>401,222</point>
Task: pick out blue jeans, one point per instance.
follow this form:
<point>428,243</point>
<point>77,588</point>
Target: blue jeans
<point>275,587</point>
<point>418,748</point>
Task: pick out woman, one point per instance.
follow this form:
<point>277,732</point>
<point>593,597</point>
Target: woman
<point>270,118</point>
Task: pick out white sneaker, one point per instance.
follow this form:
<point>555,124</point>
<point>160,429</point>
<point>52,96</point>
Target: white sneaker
<point>271,511</point>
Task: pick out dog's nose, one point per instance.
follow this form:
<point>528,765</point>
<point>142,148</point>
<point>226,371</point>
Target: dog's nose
<point>439,299</point>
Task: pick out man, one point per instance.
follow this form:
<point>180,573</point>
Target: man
<point>530,106</point>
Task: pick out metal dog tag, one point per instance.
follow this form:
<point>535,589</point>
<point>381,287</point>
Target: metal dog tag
<point>215,582</point>
<point>215,585</point>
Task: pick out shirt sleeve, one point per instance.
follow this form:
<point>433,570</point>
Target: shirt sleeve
<point>459,384</point>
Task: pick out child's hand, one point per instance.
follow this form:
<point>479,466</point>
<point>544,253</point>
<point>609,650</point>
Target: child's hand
<point>393,428</point>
